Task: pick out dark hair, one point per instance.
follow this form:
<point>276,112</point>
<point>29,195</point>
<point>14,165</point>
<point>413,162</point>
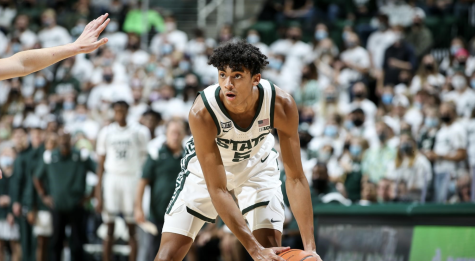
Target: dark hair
<point>358,110</point>
<point>153,113</point>
<point>120,103</point>
<point>237,55</point>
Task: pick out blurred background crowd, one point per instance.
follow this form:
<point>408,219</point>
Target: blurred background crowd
<point>385,91</point>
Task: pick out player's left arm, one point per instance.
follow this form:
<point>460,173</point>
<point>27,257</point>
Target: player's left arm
<point>26,62</point>
<point>286,120</point>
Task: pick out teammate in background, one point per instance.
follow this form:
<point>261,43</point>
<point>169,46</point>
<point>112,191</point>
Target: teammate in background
<point>232,149</point>
<point>24,63</point>
<point>121,150</point>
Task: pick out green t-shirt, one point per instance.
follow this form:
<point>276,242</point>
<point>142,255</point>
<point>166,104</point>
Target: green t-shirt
<point>353,182</point>
<point>34,161</point>
<point>66,176</point>
<point>134,21</point>
<point>21,181</point>
<point>161,170</point>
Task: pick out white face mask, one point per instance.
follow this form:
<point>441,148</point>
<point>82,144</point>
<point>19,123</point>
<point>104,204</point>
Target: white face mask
<point>41,110</point>
<point>458,82</point>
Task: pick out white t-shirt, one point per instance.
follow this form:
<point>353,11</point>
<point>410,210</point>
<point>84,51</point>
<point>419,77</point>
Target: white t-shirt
<point>378,42</point>
<point>177,38</point>
<point>436,80</point>
<point>117,41</point>
<point>470,127</point>
<point>120,74</point>
<point>50,37</point>
<point>368,132</point>
<point>367,106</point>
<point>3,44</point>
<point>125,148</point>
<point>136,111</point>
<point>89,127</point>
<point>6,16</point>
<point>464,101</point>
<point>28,39</point>
<point>448,140</point>
<point>108,92</point>
<point>416,177</point>
<point>297,54</point>
<point>263,48</point>
<point>358,56</point>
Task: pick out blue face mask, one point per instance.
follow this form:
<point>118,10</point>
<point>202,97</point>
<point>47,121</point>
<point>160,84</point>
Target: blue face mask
<point>81,117</point>
<point>40,82</point>
<point>184,66</point>
<point>454,49</point>
<point>275,64</point>
<point>6,161</point>
<point>253,38</point>
<point>320,35</point>
<point>68,106</point>
<point>330,131</point>
<point>355,150</point>
<point>167,49</point>
<point>472,83</point>
<point>431,122</point>
<point>160,72</point>
<point>349,124</point>
<point>387,98</point>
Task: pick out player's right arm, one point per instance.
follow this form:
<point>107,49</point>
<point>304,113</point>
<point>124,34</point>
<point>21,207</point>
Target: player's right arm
<point>204,132</point>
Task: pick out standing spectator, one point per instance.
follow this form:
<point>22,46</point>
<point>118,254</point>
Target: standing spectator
<point>379,41</point>
<point>160,172</point>
<point>428,131</point>
<point>52,34</point>
<point>449,152</point>
<point>398,58</point>
<point>134,20</point>
<point>117,39</point>
<point>9,229</point>
<point>376,160</point>
<point>360,94</point>
<point>355,61</point>
<point>428,77</point>
<point>462,96</point>
<point>27,38</point>
<point>171,38</point>
<point>321,184</point>
<point>420,37</point>
<point>121,149</point>
<point>65,169</point>
<point>410,167</point>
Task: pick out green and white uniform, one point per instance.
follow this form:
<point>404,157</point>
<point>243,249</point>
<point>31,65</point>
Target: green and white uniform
<point>250,162</point>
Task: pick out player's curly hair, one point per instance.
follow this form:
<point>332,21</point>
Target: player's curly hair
<point>238,54</point>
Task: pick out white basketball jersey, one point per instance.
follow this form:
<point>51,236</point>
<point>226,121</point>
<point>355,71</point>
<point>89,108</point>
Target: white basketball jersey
<point>235,143</point>
<point>125,148</point>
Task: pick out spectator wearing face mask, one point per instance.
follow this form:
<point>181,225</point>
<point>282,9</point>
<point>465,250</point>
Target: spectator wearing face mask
<point>322,42</point>
<point>321,184</point>
<point>351,164</point>
<point>451,61</point>
<point>254,38</point>
<point>398,57</point>
<point>117,39</point>
<point>172,37</point>
<point>64,82</point>
<point>52,34</point>
<point>355,61</point>
<point>357,126</point>
<point>384,191</point>
<point>133,56</point>
<point>449,152</point>
<point>330,103</point>
<point>108,59</point>
<point>428,131</point>
<point>197,46</point>
<point>377,159</point>
<point>9,228</point>
<point>379,41</point>
<point>361,101</point>
<point>420,36</point>
<point>462,96</point>
<point>82,122</point>
<point>106,90</point>
<point>330,133</point>
<point>428,77</point>
<point>410,167</point>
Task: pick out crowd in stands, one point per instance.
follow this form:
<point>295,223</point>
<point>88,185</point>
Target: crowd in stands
<point>383,116</point>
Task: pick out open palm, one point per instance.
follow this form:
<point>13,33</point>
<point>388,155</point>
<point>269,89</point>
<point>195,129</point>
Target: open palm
<point>87,41</point>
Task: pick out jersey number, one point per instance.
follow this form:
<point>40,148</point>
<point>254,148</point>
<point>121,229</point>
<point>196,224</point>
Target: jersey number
<point>121,154</point>
<point>241,156</point>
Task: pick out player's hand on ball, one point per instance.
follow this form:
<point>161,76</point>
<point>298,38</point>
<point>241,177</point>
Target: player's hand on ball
<point>270,254</point>
<point>87,41</point>
<point>314,254</point>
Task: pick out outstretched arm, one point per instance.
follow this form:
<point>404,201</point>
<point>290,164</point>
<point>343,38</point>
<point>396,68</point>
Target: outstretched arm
<point>204,133</point>
<point>286,122</point>
<point>24,63</point>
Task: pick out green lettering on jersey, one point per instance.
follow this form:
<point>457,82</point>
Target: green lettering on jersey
<point>223,143</point>
<point>247,145</point>
<point>259,139</point>
<point>235,144</point>
<point>241,156</point>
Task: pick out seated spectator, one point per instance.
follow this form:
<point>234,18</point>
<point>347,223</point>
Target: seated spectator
<point>398,57</point>
<point>384,193</point>
<point>355,61</point>
<point>198,45</point>
<point>327,156</point>
<point>463,190</point>
<point>27,38</point>
<point>428,130</point>
<point>357,126</point>
<point>108,59</point>
<point>330,103</point>
<point>420,37</point>
<point>298,9</point>
<point>309,92</point>
<point>331,133</point>
<point>254,38</point>
<point>411,168</point>
<point>376,160</point>
<point>351,164</point>
<point>322,42</point>
<point>368,194</point>
<point>321,184</point>
<point>52,34</point>
<point>106,90</point>
<point>462,96</point>
<point>8,11</point>
<point>117,39</point>
<point>171,36</point>
<point>133,56</point>
<point>448,153</point>
<point>428,77</point>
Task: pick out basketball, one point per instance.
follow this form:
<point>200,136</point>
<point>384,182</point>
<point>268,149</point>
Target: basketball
<point>297,255</point>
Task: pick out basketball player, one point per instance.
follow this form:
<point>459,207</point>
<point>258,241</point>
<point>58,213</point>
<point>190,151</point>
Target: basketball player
<point>24,63</point>
<point>121,150</point>
<point>232,150</point>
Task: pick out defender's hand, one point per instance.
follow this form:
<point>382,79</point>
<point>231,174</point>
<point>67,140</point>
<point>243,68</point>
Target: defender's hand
<point>87,41</point>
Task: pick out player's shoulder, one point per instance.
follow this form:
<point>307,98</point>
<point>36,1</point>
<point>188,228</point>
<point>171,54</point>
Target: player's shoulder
<point>283,99</point>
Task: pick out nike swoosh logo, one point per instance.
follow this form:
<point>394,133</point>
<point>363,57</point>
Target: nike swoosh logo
<point>262,160</point>
<point>274,221</point>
